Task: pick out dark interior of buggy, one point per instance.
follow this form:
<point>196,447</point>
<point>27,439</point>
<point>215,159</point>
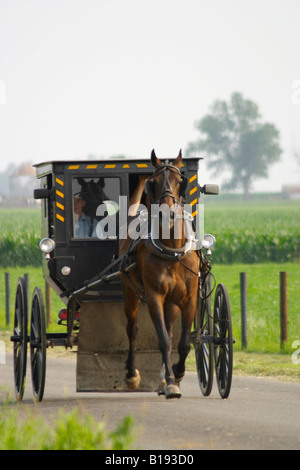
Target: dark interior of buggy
<point>97,200</point>
<point>75,216</point>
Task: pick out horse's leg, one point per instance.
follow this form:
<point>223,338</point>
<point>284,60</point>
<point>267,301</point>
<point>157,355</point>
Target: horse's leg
<point>131,303</point>
<point>161,389</point>
<point>184,344</point>
<point>155,305</point>
<point>170,314</point>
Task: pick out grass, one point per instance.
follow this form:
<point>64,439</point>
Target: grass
<point>70,431</point>
<point>263,303</point>
<point>279,366</point>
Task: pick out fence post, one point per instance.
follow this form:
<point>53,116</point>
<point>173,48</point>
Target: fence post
<point>7,298</point>
<point>243,290</point>
<point>283,308</point>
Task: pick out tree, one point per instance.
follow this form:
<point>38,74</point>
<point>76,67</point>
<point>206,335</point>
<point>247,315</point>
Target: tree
<point>233,137</point>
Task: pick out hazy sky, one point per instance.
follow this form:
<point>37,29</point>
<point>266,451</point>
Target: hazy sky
<point>109,77</point>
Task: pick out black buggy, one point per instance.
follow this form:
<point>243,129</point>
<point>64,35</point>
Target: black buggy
<point>82,266</point>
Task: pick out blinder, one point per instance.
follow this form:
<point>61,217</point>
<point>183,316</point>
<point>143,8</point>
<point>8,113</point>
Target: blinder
<point>183,185</point>
<point>149,189</point>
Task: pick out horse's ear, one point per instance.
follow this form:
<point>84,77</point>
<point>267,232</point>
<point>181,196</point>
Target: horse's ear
<point>178,160</point>
<point>154,160</point>
<point>101,183</point>
<point>82,182</point>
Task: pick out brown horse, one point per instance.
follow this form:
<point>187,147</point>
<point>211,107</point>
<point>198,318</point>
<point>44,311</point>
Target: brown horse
<point>168,270</point>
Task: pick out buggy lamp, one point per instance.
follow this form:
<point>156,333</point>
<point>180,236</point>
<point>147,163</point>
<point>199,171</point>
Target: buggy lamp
<point>47,245</point>
<point>208,241</point>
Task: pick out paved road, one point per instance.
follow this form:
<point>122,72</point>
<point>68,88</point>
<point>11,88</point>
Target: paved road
<point>259,414</point>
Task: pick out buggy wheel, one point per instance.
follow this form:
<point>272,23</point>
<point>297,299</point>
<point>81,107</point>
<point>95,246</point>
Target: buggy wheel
<point>223,341</point>
<point>20,338</point>
<point>38,344</point>
<point>204,347</point>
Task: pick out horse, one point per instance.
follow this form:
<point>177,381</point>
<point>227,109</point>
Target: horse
<point>93,194</point>
<point>168,270</point>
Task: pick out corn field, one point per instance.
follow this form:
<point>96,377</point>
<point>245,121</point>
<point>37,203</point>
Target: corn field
<point>245,233</point>
<point>20,234</point>
<point>254,233</point>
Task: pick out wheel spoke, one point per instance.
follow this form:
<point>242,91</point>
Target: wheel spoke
<point>203,350</point>
<point>38,344</point>
<point>20,341</point>
<point>223,348</point>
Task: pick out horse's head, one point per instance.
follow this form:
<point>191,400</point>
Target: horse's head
<point>93,193</point>
<point>165,189</point>
<point>167,185</point>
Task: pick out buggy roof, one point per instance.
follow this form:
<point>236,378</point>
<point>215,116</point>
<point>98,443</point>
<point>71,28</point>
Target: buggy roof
<point>141,164</point>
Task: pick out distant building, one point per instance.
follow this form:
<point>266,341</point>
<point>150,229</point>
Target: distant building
<point>291,191</point>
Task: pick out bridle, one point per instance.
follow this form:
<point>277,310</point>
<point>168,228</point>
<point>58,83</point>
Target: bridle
<point>156,246</point>
<point>166,186</point>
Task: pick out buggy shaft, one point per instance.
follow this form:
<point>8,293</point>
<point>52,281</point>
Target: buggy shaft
<point>105,278</point>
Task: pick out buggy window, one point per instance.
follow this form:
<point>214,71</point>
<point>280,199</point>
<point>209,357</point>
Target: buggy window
<point>94,199</point>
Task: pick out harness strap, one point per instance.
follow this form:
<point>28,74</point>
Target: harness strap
<point>156,247</point>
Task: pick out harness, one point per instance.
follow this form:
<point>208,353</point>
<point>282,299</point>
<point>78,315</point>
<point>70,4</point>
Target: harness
<point>167,190</point>
<point>154,245</point>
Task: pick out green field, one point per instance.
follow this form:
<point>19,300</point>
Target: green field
<point>252,232</point>
<point>20,233</point>
<point>248,237</point>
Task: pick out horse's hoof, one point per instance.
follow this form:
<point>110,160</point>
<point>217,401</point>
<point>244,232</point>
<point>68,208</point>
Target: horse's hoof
<point>173,391</point>
<point>133,382</point>
<point>178,380</point>
<point>162,388</point>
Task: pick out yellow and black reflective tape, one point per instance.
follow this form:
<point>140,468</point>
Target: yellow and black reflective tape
<point>110,166</point>
<point>193,190</point>
<point>73,167</point>
<point>91,167</point>
<point>107,166</point>
<point>61,195</point>
<point>60,217</point>
<point>60,206</point>
<point>59,181</point>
